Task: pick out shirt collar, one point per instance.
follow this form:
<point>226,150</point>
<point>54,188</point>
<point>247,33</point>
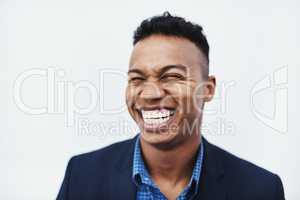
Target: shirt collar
<point>140,173</point>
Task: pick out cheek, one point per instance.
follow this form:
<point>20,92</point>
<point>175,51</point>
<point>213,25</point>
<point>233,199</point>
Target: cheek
<point>130,101</point>
<point>130,96</point>
<point>184,96</point>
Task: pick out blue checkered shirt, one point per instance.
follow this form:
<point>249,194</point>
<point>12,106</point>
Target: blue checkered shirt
<point>148,190</point>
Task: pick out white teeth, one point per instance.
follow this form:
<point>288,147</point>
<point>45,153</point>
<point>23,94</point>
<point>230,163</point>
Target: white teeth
<point>156,121</point>
<point>156,116</point>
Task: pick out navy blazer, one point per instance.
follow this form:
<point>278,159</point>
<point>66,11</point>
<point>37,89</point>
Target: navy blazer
<point>107,174</point>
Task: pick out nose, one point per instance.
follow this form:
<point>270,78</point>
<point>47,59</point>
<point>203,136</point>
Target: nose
<point>152,91</point>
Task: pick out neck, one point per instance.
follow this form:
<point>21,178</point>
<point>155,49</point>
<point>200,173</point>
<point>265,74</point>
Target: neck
<point>173,165</point>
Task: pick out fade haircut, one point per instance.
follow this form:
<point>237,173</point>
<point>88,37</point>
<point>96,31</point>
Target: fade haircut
<point>169,25</point>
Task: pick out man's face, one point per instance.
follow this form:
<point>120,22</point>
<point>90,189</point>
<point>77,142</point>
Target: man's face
<point>166,88</point>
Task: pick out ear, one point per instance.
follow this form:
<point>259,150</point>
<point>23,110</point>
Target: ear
<point>209,89</point>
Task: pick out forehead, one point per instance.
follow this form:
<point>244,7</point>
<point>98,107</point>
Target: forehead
<point>157,51</point>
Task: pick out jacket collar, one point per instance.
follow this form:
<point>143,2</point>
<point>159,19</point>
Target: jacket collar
<point>211,184</point>
<point>122,186</point>
<point>212,177</point>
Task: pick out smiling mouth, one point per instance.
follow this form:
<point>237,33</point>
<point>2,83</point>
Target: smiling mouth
<point>156,119</point>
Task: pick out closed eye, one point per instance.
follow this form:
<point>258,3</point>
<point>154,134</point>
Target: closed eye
<point>136,79</point>
<point>172,77</point>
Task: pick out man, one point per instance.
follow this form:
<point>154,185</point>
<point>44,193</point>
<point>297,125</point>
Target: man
<point>168,85</point>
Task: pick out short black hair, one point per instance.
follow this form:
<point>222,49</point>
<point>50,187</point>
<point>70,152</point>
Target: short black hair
<point>169,25</point>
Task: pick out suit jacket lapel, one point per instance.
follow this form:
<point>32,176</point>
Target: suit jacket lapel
<point>211,185</point>
<point>122,186</point>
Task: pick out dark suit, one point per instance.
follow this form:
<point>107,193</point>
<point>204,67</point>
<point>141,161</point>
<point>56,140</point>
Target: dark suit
<point>106,174</point>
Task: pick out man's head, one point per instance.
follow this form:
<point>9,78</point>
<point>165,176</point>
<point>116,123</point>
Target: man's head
<point>168,80</point>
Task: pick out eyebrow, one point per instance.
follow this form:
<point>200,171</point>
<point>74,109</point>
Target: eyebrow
<point>161,70</point>
<point>135,71</point>
<point>169,67</point>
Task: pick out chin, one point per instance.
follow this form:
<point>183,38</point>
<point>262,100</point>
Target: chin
<point>162,140</point>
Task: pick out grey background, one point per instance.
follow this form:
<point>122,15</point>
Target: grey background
<point>250,41</point>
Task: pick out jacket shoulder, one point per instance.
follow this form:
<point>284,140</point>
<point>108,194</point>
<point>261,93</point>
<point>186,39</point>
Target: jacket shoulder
<point>249,178</point>
<point>240,166</point>
<point>86,173</point>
